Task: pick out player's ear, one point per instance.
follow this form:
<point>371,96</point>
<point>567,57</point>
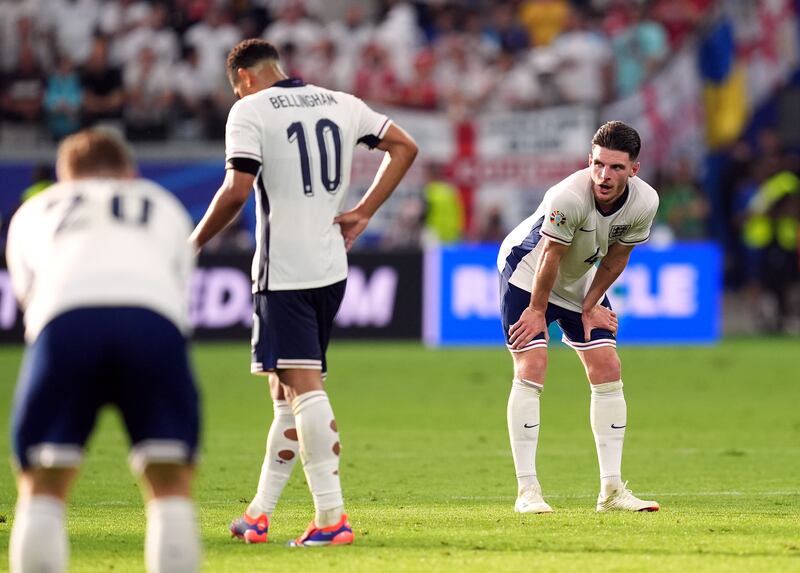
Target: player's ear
<point>243,75</point>
<point>635,168</point>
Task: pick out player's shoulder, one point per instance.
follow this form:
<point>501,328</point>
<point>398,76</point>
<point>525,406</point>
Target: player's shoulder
<point>575,189</point>
<point>644,195</point>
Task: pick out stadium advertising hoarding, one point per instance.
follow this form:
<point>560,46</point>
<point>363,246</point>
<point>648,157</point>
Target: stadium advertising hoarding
<point>383,299</point>
<point>664,296</point>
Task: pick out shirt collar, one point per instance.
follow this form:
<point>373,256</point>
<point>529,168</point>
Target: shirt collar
<point>289,83</point>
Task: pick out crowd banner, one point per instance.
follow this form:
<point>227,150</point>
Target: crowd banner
<point>383,299</point>
<point>664,296</point>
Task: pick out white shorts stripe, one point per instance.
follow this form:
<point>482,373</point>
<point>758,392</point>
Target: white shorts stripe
<point>538,343</point>
<point>589,345</point>
<point>50,455</point>
<point>157,451</point>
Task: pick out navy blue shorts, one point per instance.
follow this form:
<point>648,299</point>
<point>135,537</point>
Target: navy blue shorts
<point>131,358</point>
<point>514,300</point>
<point>292,328</point>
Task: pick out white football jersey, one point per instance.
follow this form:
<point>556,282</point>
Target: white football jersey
<point>100,242</point>
<point>304,137</point>
<point>568,215</point>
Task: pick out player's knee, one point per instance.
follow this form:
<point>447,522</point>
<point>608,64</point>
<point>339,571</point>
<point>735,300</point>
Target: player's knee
<point>165,479</point>
<point>604,369</point>
<point>531,365</point>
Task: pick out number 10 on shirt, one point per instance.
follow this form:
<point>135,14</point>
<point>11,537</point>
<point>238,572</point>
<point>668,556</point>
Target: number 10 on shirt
<point>327,133</point>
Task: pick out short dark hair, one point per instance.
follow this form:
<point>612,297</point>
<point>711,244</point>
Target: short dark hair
<point>248,53</point>
<point>619,137</point>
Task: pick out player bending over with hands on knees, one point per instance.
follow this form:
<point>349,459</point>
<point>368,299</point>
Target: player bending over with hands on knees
<point>295,143</point>
<point>100,263</point>
<point>548,273</point>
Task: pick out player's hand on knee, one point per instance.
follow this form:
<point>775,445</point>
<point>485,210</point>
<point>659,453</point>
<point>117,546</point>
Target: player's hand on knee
<point>531,323</point>
<point>599,317</point>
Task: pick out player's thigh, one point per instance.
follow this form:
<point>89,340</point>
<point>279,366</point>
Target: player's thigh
<point>328,301</point>
<point>571,325</point>
<point>513,301</point>
<point>601,364</point>
<point>530,365</point>
<point>285,332</point>
<point>154,389</point>
<point>58,395</point>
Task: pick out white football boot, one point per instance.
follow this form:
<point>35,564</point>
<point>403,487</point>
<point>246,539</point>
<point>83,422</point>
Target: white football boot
<point>530,500</point>
<point>623,499</point>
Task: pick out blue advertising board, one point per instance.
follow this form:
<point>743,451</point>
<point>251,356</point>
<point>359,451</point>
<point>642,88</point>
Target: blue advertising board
<point>664,296</point>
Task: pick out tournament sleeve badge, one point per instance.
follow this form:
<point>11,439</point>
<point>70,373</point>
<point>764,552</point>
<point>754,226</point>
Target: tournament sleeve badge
<point>558,218</point>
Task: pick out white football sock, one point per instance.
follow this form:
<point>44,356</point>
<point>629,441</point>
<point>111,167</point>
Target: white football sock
<point>523,429</point>
<point>319,450</point>
<point>281,455</point>
<point>39,536</point>
<point>608,417</point>
<point>172,540</point>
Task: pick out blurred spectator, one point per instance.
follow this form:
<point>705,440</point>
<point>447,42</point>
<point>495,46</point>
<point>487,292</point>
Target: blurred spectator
<point>584,69</point>
<point>324,68</point>
<point>444,213</point>
<point>638,51</point>
<point>196,99</point>
<point>406,227</point>
<point>150,94</point>
<point>213,38</point>
<point>400,36</point>
<point>510,35</point>
<point>294,27</point>
<point>349,37</point>
<point>118,17</point>
<point>72,24</point>
<point>464,80</point>
<point>683,207</point>
<point>62,100</point>
<point>103,94</point>
<point>516,85</point>
<point>678,17</point>
<point>19,31</point>
<point>492,229</point>
<point>422,91</point>
<point>544,19</point>
<point>152,31</point>
<point>375,79</point>
<point>22,90</point>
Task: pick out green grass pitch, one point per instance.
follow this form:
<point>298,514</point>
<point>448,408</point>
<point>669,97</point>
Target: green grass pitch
<point>713,434</point>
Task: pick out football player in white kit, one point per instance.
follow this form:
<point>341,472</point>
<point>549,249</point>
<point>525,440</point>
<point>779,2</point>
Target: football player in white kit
<point>100,263</point>
<point>549,273</point>
<point>295,142</point>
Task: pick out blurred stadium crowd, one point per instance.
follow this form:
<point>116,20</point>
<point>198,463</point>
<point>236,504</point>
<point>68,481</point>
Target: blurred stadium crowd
<point>157,67</point>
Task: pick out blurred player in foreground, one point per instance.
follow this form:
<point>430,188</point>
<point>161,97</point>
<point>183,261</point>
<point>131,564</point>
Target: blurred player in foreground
<point>295,142</point>
<point>100,263</point>
<point>548,273</point>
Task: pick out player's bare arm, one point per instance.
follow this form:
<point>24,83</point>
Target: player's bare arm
<point>612,265</point>
<point>532,321</point>
<point>228,201</point>
<point>401,149</point>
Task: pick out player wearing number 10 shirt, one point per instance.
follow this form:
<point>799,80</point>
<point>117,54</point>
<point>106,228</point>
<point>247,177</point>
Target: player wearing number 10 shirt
<point>294,144</point>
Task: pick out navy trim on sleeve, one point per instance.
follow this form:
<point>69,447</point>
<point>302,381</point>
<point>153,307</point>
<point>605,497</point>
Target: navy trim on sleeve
<point>370,141</point>
<point>244,164</point>
<point>556,239</point>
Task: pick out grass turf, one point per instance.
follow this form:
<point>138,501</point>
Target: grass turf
<point>714,435</point>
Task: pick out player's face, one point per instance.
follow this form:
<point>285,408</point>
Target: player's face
<point>610,172</point>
